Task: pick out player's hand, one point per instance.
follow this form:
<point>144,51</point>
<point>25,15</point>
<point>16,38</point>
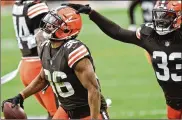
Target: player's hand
<point>15,101</point>
<point>86,9</point>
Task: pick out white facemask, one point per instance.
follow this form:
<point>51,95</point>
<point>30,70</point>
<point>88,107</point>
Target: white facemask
<point>46,35</point>
<point>164,31</point>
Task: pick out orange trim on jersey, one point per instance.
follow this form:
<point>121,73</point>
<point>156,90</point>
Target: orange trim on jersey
<point>35,8</point>
<point>138,33</point>
<point>76,53</point>
<point>29,14</point>
<point>77,58</point>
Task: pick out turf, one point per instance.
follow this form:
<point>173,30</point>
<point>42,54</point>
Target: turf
<point>124,73</point>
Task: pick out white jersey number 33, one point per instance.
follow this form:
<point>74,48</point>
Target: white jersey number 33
<point>164,65</point>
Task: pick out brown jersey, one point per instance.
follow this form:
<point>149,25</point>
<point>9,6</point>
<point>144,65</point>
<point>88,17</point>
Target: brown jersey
<point>58,65</point>
<point>166,57</point>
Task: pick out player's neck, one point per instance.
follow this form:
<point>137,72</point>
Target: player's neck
<point>56,44</point>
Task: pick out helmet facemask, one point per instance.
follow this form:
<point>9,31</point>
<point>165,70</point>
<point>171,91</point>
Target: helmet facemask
<point>163,21</point>
<point>52,23</point>
<point>61,24</point>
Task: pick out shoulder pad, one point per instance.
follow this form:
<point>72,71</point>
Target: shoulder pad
<point>76,50</point>
<point>72,44</point>
<point>147,29</point>
<point>35,9</point>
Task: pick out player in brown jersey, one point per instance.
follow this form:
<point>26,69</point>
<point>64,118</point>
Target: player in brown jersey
<point>68,67</point>
<point>162,39</point>
<point>26,18</point>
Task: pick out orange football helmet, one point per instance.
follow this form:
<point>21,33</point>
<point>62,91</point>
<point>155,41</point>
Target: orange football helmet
<point>61,24</point>
<point>167,16</point>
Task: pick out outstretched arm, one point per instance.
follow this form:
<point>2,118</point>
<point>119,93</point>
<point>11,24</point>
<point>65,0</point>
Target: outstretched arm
<point>107,26</point>
<point>113,30</point>
<point>85,73</point>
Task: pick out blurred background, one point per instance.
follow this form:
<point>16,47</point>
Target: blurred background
<point>125,75</point>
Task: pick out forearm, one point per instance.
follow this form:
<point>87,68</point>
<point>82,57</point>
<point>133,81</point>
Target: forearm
<point>94,103</point>
<point>93,94</point>
<point>35,86</point>
<point>85,72</point>
<point>112,29</point>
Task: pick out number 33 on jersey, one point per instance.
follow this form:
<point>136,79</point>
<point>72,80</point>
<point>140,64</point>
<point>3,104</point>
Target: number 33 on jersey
<point>170,66</point>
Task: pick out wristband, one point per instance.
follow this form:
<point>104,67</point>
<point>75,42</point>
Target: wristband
<point>22,95</point>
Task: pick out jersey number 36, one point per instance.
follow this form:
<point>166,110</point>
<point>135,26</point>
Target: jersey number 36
<point>64,89</point>
<point>170,71</point>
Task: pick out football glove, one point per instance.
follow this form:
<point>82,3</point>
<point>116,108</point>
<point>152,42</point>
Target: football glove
<point>15,101</point>
<point>86,9</point>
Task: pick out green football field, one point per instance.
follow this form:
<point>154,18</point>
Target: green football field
<point>125,75</point>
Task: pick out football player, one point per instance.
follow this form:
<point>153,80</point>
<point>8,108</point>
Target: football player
<point>146,6</point>
<point>162,39</point>
<point>68,67</point>
<point>26,18</point>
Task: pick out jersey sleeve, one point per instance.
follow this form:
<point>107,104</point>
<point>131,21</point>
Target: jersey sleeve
<point>113,30</point>
<point>144,31</point>
<point>76,51</point>
<point>37,9</point>
<point>36,12</point>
